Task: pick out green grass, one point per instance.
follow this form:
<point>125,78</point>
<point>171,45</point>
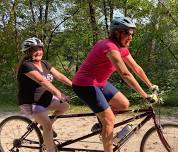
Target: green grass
<point>73,108</point>
<point>165,111</point>
<point>169,111</point>
<point>9,107</point>
<point>79,109</point>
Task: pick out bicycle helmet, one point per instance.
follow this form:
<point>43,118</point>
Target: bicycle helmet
<point>27,44</point>
<point>122,22</point>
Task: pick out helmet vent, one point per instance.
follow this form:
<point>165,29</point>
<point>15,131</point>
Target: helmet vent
<point>126,20</point>
<point>38,42</point>
<point>116,23</point>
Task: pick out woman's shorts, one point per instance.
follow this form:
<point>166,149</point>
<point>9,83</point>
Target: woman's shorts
<point>29,109</point>
<point>96,98</point>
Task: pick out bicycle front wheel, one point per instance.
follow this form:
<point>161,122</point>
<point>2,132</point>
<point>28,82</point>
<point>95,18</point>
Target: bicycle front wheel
<point>16,135</point>
<point>152,143</point>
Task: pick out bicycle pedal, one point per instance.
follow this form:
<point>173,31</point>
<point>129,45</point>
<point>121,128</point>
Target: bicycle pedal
<point>96,127</point>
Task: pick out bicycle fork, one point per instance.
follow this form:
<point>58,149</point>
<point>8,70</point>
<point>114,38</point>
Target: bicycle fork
<point>159,130</point>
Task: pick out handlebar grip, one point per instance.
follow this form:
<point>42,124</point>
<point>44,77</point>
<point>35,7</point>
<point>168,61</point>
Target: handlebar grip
<point>156,92</point>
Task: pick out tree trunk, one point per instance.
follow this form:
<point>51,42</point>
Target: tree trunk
<point>93,21</point>
<point>46,11</point>
<point>125,9</point>
<point>31,8</point>
<point>110,9</point>
<point>14,24</point>
<point>33,14</point>
<point>151,56</point>
<point>105,16</point>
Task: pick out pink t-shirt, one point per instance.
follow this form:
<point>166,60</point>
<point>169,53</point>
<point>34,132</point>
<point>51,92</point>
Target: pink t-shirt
<point>97,68</point>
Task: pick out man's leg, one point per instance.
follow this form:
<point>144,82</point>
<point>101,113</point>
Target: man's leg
<point>107,119</point>
<point>119,102</point>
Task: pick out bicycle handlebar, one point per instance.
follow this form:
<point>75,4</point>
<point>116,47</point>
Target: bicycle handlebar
<point>159,99</point>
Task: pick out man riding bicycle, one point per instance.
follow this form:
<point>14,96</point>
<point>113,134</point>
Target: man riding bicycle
<point>91,83</point>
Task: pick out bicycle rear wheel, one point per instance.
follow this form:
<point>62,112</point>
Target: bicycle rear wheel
<point>152,143</point>
<point>18,135</point>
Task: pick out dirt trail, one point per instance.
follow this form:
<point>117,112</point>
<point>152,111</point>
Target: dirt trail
<point>70,128</point>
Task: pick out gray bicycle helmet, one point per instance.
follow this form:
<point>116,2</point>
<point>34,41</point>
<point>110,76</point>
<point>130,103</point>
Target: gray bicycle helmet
<point>27,44</point>
<point>122,22</point>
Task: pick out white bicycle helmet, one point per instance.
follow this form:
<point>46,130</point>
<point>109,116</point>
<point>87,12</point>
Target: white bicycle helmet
<point>27,44</point>
<point>122,22</point>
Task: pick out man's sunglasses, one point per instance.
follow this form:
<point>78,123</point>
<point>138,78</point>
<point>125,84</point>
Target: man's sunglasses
<point>127,33</point>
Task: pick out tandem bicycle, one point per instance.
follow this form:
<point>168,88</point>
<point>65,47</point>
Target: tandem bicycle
<point>21,134</point>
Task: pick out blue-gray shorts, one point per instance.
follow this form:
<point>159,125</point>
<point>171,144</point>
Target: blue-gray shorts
<point>97,98</point>
<point>29,109</point>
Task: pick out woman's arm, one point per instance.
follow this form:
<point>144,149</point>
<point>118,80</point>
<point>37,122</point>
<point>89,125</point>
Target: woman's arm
<point>60,77</point>
<point>121,68</point>
<point>137,70</point>
<point>36,76</point>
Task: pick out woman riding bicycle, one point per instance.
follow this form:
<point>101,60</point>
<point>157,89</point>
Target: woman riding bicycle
<point>91,83</point>
<point>36,93</point>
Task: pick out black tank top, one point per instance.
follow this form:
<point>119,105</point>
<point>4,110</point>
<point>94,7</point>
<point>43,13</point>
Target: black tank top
<point>29,91</point>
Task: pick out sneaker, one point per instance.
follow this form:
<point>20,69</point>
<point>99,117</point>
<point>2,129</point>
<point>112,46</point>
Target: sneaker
<point>54,133</point>
<point>96,127</point>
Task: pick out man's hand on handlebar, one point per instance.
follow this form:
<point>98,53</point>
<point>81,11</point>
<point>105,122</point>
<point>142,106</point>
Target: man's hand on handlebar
<point>153,98</point>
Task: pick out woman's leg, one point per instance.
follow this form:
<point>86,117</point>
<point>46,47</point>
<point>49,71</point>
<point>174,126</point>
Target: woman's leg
<point>43,119</point>
<point>107,119</point>
<point>58,107</point>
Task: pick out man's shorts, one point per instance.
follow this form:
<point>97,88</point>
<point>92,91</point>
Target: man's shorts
<point>96,98</point>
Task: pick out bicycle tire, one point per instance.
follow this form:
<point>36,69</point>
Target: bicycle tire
<point>151,141</point>
<point>12,129</point>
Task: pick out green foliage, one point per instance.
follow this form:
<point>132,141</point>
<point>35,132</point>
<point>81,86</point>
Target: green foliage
<point>68,37</point>
<point>171,99</point>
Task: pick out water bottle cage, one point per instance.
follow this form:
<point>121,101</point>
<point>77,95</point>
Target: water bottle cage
<point>120,136</point>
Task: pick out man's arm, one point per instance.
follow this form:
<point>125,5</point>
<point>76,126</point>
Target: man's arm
<point>123,71</point>
<point>137,70</point>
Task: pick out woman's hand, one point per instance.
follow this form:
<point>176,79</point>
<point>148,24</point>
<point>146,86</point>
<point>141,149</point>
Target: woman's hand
<point>64,98</point>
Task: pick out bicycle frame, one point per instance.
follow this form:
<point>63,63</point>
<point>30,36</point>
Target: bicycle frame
<point>147,114</point>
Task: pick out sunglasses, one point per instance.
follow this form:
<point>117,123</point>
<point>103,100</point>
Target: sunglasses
<point>127,33</point>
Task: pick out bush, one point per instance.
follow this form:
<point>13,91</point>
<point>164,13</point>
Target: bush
<point>8,99</point>
<point>171,99</point>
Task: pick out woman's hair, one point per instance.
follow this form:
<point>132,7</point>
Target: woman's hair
<point>25,57</point>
